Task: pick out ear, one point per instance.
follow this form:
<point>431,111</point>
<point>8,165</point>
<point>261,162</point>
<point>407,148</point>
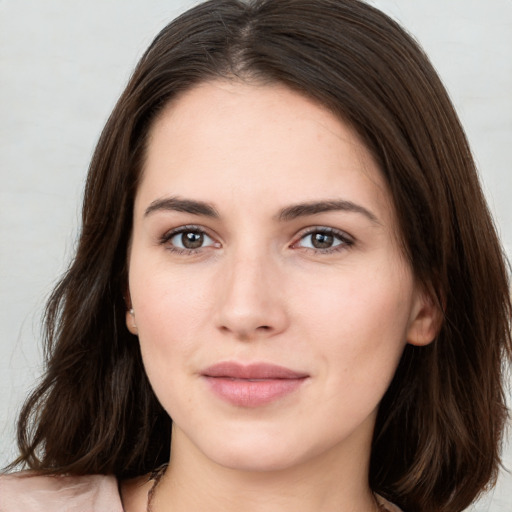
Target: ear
<point>130,322</point>
<point>426,319</point>
<point>130,314</point>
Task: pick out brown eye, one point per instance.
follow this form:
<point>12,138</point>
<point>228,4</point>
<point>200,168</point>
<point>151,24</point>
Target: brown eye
<point>188,239</point>
<point>321,240</point>
<point>325,240</point>
<point>192,240</point>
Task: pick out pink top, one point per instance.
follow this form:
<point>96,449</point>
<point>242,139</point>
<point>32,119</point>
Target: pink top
<point>22,492</point>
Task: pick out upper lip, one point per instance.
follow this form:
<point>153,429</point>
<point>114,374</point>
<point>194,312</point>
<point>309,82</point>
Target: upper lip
<point>233,370</point>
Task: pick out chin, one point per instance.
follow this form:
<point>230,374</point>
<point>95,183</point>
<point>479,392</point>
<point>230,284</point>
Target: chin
<point>260,452</point>
<point>260,460</point>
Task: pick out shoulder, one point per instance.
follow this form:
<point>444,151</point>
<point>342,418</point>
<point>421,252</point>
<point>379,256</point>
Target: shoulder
<point>30,492</point>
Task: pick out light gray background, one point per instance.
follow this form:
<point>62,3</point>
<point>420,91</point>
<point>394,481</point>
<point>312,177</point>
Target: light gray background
<point>63,64</point>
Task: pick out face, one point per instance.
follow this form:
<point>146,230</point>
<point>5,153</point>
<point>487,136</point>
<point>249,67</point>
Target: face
<point>269,293</point>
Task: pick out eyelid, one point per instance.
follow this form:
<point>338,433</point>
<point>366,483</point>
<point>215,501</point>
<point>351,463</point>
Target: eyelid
<point>346,239</point>
<point>168,235</point>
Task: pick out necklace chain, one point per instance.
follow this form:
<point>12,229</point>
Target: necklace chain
<point>158,473</point>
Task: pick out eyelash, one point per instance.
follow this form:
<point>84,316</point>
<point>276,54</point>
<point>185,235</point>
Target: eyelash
<point>183,229</point>
<point>345,241</point>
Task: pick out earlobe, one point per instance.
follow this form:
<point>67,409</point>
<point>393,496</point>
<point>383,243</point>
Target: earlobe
<point>426,320</point>
<point>130,322</point>
<point>130,314</point>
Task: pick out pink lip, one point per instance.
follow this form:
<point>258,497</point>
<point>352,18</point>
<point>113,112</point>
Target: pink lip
<point>252,385</point>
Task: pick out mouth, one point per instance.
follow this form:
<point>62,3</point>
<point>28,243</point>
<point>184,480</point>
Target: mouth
<point>252,385</point>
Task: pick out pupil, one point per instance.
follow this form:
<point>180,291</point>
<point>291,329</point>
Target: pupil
<point>192,240</point>
<point>322,240</point>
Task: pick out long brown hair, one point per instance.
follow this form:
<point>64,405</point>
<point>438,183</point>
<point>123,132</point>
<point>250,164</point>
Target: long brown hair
<point>437,437</point>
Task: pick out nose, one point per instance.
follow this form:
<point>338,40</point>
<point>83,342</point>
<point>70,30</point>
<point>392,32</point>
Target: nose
<point>251,302</point>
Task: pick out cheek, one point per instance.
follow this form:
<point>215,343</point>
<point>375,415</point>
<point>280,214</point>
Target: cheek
<point>357,300</point>
<point>358,321</point>
<point>164,296</point>
<point>170,309</point>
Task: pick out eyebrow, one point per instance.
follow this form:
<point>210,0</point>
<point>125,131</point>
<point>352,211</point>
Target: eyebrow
<point>316,207</point>
<point>178,204</point>
<point>287,214</point>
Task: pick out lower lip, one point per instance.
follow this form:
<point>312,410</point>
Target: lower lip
<point>252,393</point>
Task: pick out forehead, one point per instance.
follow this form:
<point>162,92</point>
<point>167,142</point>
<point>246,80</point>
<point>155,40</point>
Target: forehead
<point>245,107</point>
<point>245,141</point>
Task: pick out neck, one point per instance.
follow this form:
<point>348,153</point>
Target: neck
<point>330,482</point>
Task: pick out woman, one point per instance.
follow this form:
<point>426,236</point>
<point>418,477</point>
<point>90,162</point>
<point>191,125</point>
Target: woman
<point>284,249</point>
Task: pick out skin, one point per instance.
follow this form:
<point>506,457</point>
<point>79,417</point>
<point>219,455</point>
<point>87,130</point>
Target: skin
<point>258,290</point>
